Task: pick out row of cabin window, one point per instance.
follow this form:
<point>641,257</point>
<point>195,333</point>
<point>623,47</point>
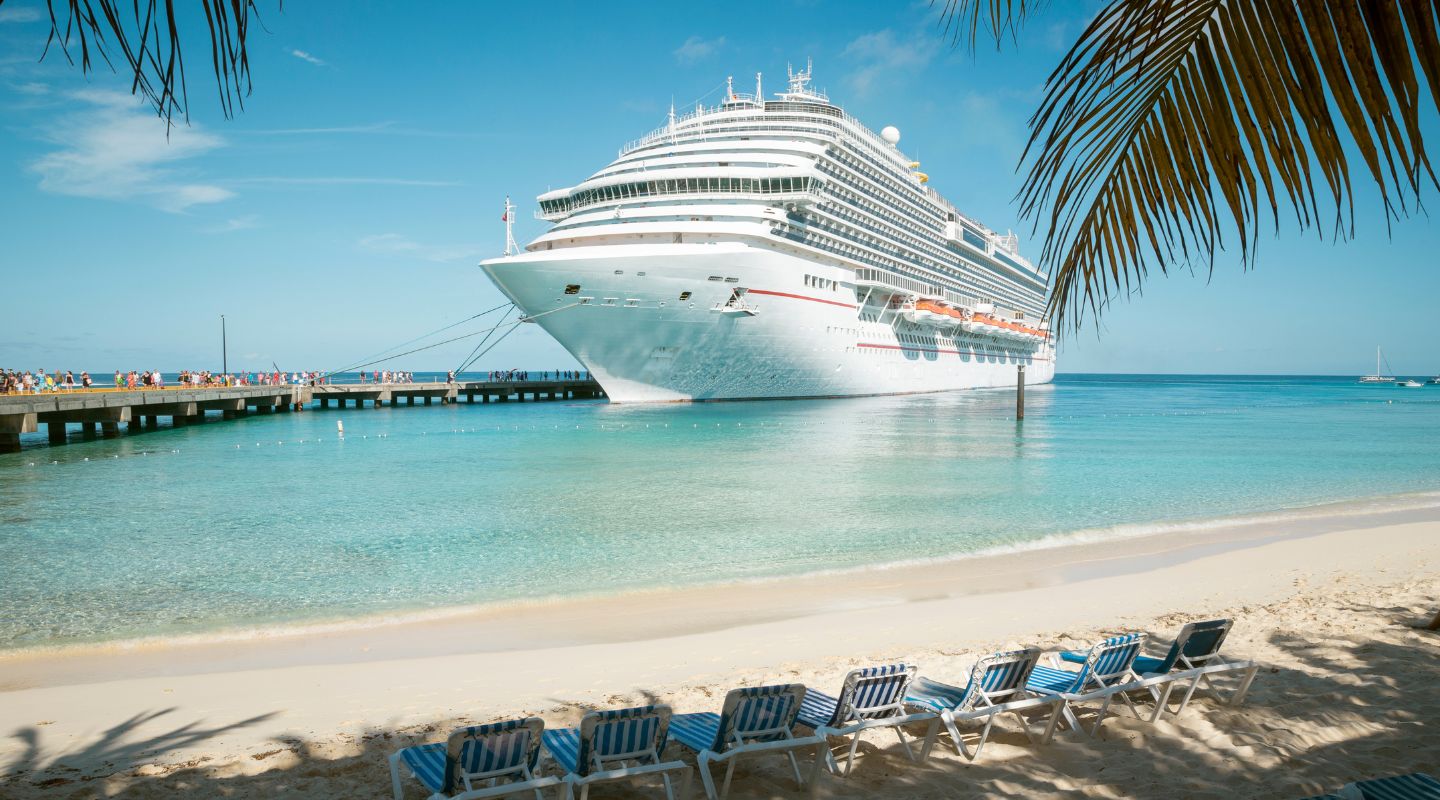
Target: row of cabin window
<point>624,191</point>
<point>821,283</point>
<point>975,276</point>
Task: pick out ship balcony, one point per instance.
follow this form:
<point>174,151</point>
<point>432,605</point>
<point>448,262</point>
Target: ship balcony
<point>894,284</point>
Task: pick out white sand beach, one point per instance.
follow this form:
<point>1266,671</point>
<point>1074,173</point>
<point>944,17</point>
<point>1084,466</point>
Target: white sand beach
<point>1349,689</point>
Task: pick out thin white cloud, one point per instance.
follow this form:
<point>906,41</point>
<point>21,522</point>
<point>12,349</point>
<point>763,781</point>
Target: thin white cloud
<point>242,223</point>
<point>32,88</point>
<point>374,127</point>
<point>20,14</point>
<point>697,49</point>
<point>340,181</point>
<point>117,151</point>
<point>395,244</point>
<point>386,128</point>
<point>882,56</point>
<point>304,56</point>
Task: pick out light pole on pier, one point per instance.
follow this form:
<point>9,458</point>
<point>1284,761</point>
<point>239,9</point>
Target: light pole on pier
<point>224,349</point>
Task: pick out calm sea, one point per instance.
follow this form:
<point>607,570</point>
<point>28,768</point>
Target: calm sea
<point>275,519</point>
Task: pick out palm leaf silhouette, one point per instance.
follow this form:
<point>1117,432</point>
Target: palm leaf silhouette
<point>1174,128</point>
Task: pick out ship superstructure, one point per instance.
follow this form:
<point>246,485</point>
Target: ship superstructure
<point>776,248</point>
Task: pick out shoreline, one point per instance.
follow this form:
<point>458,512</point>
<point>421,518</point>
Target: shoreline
<point>617,618</point>
<point>1317,608</point>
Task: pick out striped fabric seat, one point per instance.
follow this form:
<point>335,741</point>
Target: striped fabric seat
<point>935,695</point>
<point>997,685</point>
<point>616,744</point>
<point>1109,663</point>
<point>1416,786</point>
<point>1054,681</point>
<point>870,697</point>
<point>696,731</point>
<point>612,734</point>
<point>751,720</point>
<point>508,750</point>
<point>428,763</point>
<point>868,693</point>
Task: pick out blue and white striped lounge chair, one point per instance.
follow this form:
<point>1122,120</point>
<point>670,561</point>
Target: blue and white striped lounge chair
<point>1193,656</point>
<point>752,721</point>
<point>1416,786</point>
<point>996,687</point>
<point>606,741</point>
<point>1108,666</point>
<point>482,753</point>
<point>872,697</point>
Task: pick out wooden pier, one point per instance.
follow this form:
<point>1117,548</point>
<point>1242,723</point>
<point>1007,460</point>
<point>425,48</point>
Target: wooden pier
<point>101,412</point>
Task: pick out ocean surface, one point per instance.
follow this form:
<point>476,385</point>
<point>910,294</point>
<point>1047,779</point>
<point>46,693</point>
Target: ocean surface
<point>274,520</point>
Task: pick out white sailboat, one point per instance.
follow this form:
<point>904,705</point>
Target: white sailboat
<point>1377,377</point>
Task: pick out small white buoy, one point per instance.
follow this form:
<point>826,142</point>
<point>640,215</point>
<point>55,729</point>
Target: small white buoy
<point>87,459</point>
<point>340,428</point>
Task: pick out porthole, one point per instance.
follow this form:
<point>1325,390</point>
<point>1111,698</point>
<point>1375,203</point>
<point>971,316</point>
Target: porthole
<point>684,296</point>
<point>572,288</point>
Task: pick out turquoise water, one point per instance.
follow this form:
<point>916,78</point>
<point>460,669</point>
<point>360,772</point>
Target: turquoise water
<point>274,519</point>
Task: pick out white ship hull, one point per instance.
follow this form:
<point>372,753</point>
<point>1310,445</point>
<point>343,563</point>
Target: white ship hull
<point>627,324</point>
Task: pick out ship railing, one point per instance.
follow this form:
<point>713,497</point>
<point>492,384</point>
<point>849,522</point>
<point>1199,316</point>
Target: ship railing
<point>891,282</point>
<point>800,197</point>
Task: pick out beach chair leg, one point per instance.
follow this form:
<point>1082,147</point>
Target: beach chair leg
<point>669,788</point>
<point>706,779</point>
<point>950,727</point>
<point>395,776</point>
<point>850,756</point>
<point>729,773</point>
<point>1162,700</point>
<point>1244,687</point>
<point>1062,710</point>
<point>1024,726</point>
<point>1189,693</point>
<point>795,765</point>
<point>1131,703</point>
<point>905,743</point>
<point>984,737</point>
<point>822,758</point>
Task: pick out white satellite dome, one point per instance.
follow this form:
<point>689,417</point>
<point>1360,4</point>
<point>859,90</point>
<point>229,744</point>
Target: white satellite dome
<point>891,134</point>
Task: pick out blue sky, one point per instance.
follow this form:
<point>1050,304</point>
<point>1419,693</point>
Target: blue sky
<point>345,209</point>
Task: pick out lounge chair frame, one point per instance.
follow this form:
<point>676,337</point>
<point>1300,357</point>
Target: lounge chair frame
<point>735,741</point>
<point>1004,674</point>
<point>457,782</point>
<point>852,716</point>
<point>596,767</point>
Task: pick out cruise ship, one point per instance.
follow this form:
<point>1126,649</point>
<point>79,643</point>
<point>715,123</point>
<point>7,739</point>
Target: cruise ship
<point>776,249</point>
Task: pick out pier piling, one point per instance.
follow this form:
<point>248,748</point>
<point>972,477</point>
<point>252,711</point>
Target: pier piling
<point>1020,392</point>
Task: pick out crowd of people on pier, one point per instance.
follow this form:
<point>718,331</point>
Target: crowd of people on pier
<point>13,381</point>
<point>525,375</point>
<point>386,376</point>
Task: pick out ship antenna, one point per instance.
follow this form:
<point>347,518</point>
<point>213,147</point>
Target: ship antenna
<point>729,88</point>
<point>509,218</point>
<point>671,127</point>
<point>759,92</point>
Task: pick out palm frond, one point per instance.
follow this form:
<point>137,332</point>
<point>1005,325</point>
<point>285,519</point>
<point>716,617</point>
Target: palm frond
<point>1174,128</point>
<point>148,41</point>
<point>962,20</point>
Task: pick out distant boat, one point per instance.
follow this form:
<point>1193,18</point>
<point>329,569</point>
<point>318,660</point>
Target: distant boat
<point>1435,380</point>
<point>1377,377</point>
<point>1408,383</point>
